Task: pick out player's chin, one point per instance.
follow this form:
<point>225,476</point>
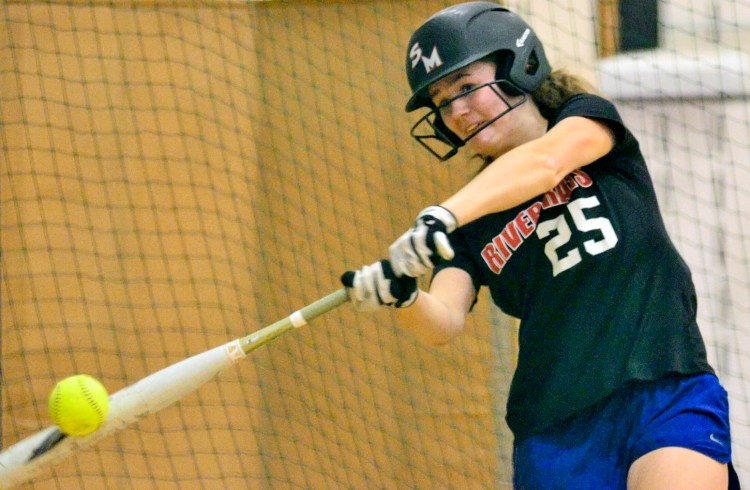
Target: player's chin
<point>484,149</point>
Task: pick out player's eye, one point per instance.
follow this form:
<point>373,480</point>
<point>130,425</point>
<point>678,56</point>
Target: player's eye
<point>445,107</point>
<point>466,87</point>
<point>460,91</point>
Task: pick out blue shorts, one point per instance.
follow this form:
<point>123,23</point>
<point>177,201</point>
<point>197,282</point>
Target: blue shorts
<point>595,449</point>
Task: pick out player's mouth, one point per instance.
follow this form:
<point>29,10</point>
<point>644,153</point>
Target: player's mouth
<point>471,129</point>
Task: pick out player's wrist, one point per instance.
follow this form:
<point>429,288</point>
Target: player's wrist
<point>377,285</point>
<point>410,301</point>
<point>442,214</point>
<point>403,288</point>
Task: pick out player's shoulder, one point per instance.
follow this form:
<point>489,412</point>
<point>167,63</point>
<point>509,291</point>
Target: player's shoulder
<point>585,104</point>
<point>594,107</point>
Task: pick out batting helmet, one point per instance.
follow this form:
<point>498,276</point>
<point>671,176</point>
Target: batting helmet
<point>464,33</point>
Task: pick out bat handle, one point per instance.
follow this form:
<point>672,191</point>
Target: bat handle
<point>324,305</point>
<point>297,319</point>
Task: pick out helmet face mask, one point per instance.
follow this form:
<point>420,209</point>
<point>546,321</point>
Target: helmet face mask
<point>458,36</point>
<point>433,134</point>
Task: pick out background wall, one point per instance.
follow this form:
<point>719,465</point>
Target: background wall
<point>176,174</point>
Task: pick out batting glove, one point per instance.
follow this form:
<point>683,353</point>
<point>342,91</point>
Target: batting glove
<point>375,286</point>
<point>418,250</point>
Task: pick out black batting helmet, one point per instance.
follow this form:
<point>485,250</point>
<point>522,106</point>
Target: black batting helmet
<point>464,33</point>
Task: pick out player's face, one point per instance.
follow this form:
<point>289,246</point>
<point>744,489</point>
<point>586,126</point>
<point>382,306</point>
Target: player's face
<point>470,103</point>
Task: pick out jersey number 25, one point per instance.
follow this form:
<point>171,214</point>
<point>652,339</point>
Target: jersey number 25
<point>582,224</point>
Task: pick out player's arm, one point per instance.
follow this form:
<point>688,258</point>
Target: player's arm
<point>532,168</point>
<point>434,317</point>
<point>517,176</point>
<point>438,316</point>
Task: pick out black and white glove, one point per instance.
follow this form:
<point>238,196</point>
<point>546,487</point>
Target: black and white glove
<point>418,250</point>
<point>375,286</point>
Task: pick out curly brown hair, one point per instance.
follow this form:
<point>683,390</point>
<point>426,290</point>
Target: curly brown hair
<point>558,87</point>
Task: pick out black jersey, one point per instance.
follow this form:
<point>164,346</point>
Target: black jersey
<point>602,294</point>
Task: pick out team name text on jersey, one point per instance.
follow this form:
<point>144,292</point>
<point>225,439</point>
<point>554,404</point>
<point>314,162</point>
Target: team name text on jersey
<point>497,252</point>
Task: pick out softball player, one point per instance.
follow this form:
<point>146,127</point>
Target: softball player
<point>612,389</point>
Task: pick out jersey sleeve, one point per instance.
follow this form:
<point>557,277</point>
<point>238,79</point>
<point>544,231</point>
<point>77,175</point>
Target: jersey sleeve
<point>593,107</point>
<point>462,260</point>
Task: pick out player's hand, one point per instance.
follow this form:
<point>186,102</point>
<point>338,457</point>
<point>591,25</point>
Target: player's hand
<point>375,286</point>
<point>418,250</point>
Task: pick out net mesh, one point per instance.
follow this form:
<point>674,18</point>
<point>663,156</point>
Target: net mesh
<point>176,174</point>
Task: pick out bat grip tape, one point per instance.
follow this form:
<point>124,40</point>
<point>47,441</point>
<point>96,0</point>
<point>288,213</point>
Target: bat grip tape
<point>297,319</point>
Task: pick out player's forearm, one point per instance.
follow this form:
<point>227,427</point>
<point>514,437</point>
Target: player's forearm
<point>431,320</point>
<point>512,179</point>
<point>532,168</point>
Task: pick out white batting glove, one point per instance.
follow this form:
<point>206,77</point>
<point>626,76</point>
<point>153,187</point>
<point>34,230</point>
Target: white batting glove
<point>375,286</point>
<point>418,250</point>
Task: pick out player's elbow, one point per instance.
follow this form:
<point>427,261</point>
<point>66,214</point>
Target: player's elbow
<point>550,170</point>
<point>572,144</point>
<point>448,329</point>
<point>433,330</point>
<point>439,315</point>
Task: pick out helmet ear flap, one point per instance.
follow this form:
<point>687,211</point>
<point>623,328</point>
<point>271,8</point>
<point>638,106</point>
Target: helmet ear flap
<point>510,88</point>
<point>504,63</point>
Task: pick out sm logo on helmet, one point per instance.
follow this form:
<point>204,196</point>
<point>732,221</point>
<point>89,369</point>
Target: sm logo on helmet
<point>416,55</point>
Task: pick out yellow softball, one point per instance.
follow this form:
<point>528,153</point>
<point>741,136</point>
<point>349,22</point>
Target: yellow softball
<point>79,405</point>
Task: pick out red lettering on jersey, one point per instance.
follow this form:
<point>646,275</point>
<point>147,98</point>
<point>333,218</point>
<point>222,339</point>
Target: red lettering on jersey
<point>550,200</point>
<point>570,182</point>
<point>533,212</point>
<point>563,191</point>
<point>560,194</point>
<point>498,252</point>
<point>511,236</point>
<point>493,259</point>
<point>500,247</point>
<point>582,178</point>
<point>524,224</point>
